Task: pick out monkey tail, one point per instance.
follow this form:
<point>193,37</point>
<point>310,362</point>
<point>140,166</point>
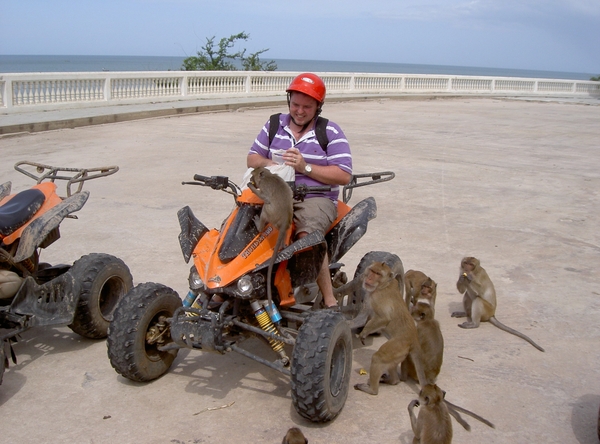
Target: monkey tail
<point>457,416</point>
<point>507,329</point>
<point>278,245</point>
<point>457,408</point>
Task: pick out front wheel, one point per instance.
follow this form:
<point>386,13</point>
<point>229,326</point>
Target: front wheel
<point>102,280</point>
<point>139,328</point>
<point>321,366</point>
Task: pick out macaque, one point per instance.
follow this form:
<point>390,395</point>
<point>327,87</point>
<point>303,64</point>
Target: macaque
<point>433,425</point>
<point>390,315</point>
<point>430,340</point>
<point>294,436</point>
<point>479,300</point>
<point>278,210</point>
<point>419,286</point>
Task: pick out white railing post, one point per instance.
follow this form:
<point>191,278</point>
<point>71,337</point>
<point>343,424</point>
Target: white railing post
<point>184,85</point>
<point>107,92</point>
<point>248,84</point>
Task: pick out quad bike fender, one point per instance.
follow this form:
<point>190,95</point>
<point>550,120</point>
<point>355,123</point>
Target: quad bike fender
<point>36,231</point>
<point>5,189</point>
<point>311,240</point>
<point>192,231</point>
<point>350,228</point>
<point>52,303</point>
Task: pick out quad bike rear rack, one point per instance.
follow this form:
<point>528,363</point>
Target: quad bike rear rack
<point>51,173</point>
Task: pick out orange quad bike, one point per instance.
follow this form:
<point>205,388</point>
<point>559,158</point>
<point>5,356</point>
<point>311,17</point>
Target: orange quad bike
<point>33,293</point>
<point>227,299</point>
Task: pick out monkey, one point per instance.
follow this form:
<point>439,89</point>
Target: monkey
<point>433,425</point>
<point>435,419</point>
<point>278,210</point>
<point>294,436</point>
<point>479,300</point>
<point>419,286</point>
<point>430,340</point>
<point>389,314</point>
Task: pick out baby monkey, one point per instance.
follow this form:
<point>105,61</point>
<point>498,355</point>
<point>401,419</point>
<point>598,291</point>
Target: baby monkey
<point>419,286</point>
<point>294,436</point>
<point>433,425</point>
<point>278,210</point>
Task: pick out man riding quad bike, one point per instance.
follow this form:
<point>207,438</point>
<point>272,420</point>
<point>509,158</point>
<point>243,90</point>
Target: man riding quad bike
<point>34,293</point>
<point>152,323</point>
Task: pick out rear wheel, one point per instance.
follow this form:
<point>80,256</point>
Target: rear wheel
<point>321,365</point>
<point>139,328</point>
<point>102,281</point>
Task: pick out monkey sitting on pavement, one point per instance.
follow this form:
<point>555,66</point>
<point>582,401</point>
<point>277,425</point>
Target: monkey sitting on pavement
<point>430,340</point>
<point>433,425</point>
<point>389,314</point>
<point>294,436</point>
<point>278,210</point>
<point>479,300</point>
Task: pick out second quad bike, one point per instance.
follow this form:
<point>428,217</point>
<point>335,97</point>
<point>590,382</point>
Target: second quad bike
<point>33,293</point>
<point>227,299</point>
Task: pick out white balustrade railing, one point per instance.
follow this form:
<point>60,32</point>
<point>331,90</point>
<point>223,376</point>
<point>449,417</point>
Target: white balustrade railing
<point>35,91</point>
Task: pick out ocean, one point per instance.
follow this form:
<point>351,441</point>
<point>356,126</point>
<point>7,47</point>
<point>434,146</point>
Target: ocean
<point>69,63</point>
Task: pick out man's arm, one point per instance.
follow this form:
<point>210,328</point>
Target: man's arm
<point>256,160</point>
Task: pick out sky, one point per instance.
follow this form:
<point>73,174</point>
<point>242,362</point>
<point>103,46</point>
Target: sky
<point>546,35</point>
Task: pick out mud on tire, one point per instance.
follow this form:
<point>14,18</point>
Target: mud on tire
<point>321,366</point>
<point>141,311</point>
<point>102,280</point>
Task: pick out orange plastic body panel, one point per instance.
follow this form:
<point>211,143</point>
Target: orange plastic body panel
<point>217,274</point>
<point>52,199</point>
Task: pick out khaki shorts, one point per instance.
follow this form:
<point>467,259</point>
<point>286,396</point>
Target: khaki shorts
<point>315,213</point>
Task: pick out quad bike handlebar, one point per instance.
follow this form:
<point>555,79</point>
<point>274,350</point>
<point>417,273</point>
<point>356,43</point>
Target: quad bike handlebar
<point>300,191</point>
<point>223,183</point>
<point>76,175</point>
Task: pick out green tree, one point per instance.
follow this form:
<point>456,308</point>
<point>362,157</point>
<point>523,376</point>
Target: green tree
<point>221,57</point>
<point>595,79</point>
<point>253,63</point>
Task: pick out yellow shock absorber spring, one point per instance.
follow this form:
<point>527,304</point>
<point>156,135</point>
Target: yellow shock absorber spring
<point>267,325</point>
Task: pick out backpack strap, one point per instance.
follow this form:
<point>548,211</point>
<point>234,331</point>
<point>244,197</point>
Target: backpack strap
<point>320,130</point>
<point>273,126</point>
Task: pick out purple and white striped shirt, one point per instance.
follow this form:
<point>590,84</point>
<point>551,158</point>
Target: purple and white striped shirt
<point>338,150</point>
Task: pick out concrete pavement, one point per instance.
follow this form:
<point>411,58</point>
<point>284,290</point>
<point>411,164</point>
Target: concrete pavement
<point>515,183</point>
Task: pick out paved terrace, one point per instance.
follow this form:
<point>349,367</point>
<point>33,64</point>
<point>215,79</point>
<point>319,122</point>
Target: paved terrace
<point>515,183</point>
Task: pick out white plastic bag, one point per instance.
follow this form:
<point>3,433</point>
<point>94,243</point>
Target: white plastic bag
<point>286,172</point>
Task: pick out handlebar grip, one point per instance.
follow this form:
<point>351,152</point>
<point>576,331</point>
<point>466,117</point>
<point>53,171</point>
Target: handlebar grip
<point>319,188</point>
<point>201,178</point>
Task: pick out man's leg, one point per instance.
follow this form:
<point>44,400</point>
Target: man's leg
<point>324,280</point>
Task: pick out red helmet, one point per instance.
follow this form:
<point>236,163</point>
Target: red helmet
<point>309,84</point>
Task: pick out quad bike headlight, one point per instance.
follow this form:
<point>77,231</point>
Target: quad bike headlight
<point>195,282</point>
<point>245,286</point>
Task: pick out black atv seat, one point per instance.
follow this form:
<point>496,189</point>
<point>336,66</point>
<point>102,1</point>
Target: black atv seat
<point>19,210</point>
